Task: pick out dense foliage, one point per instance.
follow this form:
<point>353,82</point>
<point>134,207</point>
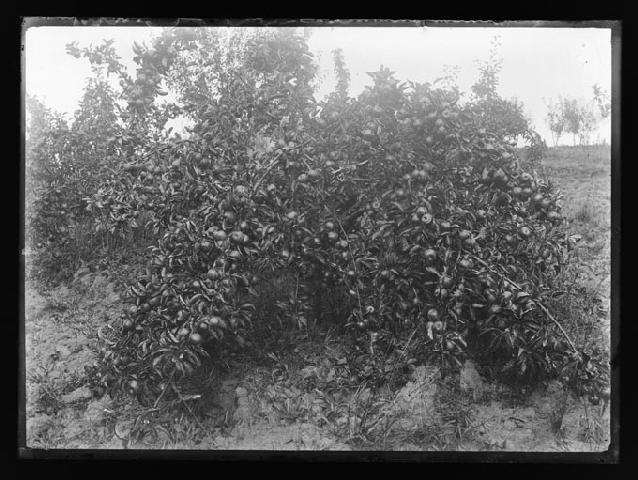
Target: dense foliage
<point>403,203</point>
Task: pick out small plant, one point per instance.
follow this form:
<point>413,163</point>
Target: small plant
<point>585,212</point>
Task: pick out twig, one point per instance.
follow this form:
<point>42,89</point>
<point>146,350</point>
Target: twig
<point>296,303</point>
<point>404,351</point>
<point>354,264</point>
<point>179,395</point>
<point>479,260</point>
<point>155,151</point>
<point>550,316</point>
<point>268,169</point>
<point>407,344</point>
<point>164,390</point>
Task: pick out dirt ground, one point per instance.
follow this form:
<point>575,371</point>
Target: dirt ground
<point>303,400</point>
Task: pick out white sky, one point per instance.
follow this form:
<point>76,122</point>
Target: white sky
<point>538,63</point>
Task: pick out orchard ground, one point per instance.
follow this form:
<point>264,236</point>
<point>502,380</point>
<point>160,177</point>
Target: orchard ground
<point>300,394</point>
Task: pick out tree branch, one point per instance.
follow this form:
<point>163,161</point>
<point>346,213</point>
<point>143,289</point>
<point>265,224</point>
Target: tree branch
<point>551,317</point>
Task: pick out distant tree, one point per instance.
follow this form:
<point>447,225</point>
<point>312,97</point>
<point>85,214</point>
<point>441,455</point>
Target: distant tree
<point>580,118</point>
<point>572,114</point>
<point>588,123</point>
<point>555,119</point>
<point>602,100</point>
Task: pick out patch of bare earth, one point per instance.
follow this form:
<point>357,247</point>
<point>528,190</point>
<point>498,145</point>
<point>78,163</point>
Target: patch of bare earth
<point>60,341</point>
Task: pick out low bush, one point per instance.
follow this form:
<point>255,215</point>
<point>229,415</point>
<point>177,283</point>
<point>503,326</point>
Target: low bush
<point>400,216</point>
<point>419,221</point>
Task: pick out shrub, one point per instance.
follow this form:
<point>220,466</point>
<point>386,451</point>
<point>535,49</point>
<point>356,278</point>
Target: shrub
<point>422,220</point>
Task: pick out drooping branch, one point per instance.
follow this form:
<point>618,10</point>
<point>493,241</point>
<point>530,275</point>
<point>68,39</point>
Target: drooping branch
<point>551,317</point>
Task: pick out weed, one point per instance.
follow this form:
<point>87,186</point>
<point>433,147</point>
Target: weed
<point>596,428</point>
<point>585,212</point>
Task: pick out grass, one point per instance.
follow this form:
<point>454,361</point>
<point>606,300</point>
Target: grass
<point>583,176</point>
<point>596,426</point>
<point>585,212</point>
